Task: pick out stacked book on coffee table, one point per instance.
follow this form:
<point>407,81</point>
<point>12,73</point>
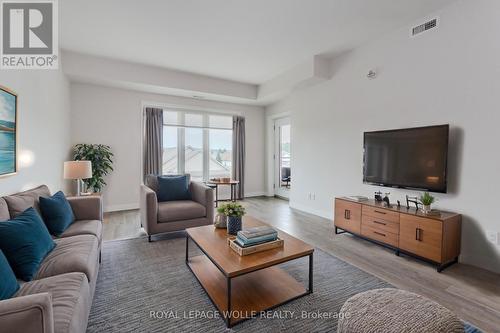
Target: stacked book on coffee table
<point>255,236</point>
<point>255,239</point>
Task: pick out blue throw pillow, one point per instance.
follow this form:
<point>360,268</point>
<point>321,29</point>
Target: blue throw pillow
<point>57,213</point>
<point>9,285</point>
<point>171,188</point>
<point>25,241</point>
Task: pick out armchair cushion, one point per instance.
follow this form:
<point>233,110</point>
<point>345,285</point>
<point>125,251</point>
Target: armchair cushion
<point>9,285</point>
<point>172,188</point>
<point>151,181</point>
<point>171,211</point>
<point>25,241</point>
<point>57,213</point>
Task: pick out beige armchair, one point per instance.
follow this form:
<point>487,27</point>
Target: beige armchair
<point>160,217</point>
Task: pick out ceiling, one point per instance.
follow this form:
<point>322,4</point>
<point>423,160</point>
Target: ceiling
<point>248,41</point>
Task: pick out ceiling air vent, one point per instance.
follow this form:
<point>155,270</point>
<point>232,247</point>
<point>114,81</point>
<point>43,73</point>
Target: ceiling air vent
<point>424,27</point>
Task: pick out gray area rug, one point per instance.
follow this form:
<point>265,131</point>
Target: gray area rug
<point>147,287</point>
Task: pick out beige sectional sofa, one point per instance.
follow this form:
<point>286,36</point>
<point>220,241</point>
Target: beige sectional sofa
<point>60,296</point>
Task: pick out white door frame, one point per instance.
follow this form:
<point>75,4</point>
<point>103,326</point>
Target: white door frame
<point>278,189</point>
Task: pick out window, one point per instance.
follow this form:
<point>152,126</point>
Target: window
<point>197,143</point>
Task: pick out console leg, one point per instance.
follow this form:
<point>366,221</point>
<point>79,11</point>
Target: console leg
<point>397,253</point>
<point>149,238</point>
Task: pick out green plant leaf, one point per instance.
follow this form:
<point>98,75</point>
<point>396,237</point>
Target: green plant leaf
<point>102,163</point>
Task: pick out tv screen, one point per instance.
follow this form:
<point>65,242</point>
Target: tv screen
<point>413,158</point>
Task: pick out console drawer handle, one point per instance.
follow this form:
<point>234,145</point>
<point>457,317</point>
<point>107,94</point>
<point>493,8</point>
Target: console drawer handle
<point>347,214</point>
<point>377,222</point>
<point>418,234</point>
<point>379,233</point>
<point>377,211</point>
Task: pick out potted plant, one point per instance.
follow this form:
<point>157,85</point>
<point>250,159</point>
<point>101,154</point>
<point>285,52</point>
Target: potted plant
<point>234,212</point>
<point>427,200</point>
<point>101,158</point>
<point>221,218</point>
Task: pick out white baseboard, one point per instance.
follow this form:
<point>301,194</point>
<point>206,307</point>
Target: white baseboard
<point>306,209</point>
<point>255,194</point>
<point>116,208</point>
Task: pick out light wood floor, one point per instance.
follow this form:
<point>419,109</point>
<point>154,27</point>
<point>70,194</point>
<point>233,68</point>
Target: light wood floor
<point>472,293</point>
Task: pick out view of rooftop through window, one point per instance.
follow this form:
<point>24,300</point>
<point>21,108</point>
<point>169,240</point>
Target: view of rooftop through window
<point>198,144</point>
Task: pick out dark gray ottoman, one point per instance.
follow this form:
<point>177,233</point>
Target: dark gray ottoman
<point>396,311</point>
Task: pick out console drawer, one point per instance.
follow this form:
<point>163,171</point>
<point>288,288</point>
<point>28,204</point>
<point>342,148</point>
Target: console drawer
<point>348,215</point>
<point>381,236</point>
<point>380,224</point>
<point>381,213</point>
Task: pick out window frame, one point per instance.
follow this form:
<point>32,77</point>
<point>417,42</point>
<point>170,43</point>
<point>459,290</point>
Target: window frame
<point>181,139</point>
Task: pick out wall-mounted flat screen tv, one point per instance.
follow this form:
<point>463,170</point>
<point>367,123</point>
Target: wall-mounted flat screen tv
<point>413,158</point>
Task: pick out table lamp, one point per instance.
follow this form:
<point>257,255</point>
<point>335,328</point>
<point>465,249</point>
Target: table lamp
<point>78,170</point>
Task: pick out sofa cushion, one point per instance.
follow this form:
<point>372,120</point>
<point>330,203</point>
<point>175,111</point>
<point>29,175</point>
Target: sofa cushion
<point>172,188</point>
<point>84,227</point>
<point>70,299</point>
<point>72,254</point>
<point>170,211</point>
<point>25,241</point>
<point>19,202</point>
<point>4,210</point>
<point>9,284</point>
<point>57,213</point>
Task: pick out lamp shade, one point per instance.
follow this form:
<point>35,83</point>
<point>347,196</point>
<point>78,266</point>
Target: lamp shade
<point>77,170</point>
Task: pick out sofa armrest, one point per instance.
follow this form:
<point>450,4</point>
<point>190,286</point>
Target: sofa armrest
<point>204,195</point>
<point>86,208</point>
<point>27,314</point>
<point>148,206</point>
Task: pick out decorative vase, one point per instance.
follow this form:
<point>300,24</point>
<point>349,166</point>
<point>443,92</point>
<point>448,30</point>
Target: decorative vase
<point>233,224</point>
<point>220,221</point>
<point>426,209</point>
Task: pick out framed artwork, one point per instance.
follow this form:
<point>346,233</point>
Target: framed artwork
<point>8,132</point>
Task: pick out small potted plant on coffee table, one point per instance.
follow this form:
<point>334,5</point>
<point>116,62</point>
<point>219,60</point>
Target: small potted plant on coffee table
<point>234,212</point>
<point>220,218</point>
<point>427,200</point>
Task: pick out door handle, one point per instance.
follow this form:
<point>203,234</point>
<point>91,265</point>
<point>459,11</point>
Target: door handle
<point>378,222</point>
<point>347,214</point>
<point>416,234</point>
<point>379,233</point>
<point>377,211</point>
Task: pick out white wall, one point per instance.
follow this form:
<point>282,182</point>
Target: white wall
<point>43,128</point>
<point>114,117</point>
<point>451,75</point>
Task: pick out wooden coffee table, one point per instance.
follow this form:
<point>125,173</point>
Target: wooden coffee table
<point>242,287</point>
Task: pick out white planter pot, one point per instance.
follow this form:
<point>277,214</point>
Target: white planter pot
<point>426,209</point>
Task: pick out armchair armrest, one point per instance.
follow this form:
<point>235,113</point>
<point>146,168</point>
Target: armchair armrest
<point>204,195</point>
<point>86,208</point>
<point>148,206</point>
<point>27,314</point>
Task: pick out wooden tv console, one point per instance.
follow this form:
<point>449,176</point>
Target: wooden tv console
<point>433,238</point>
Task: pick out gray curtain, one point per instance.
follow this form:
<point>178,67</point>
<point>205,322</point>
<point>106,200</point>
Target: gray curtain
<point>239,155</point>
<point>153,141</point>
